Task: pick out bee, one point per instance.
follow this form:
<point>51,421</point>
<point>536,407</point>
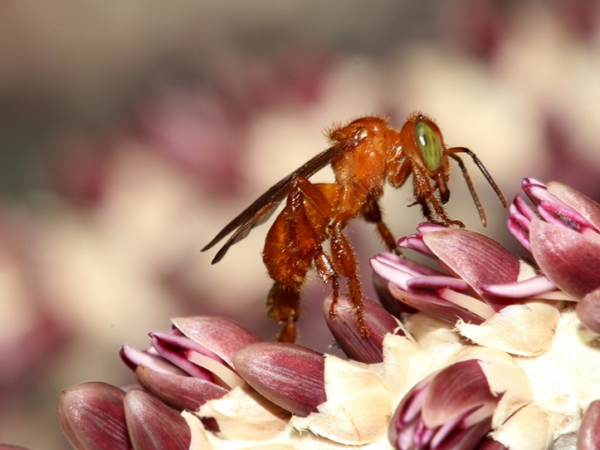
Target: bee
<point>363,154</point>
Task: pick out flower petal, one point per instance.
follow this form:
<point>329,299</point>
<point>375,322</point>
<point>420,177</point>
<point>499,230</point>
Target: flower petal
<point>177,349</point>
<point>505,377</point>
<point>531,287</point>
<point>456,390</point>
<point>451,408</point>
<point>437,305</point>
<point>153,425</point>
<point>387,300</point>
<point>221,336</point>
<point>347,333</point>
<point>92,417</point>
<point>569,259</point>
<point>537,191</point>
<point>401,272</point>
<point>518,222</point>
<point>289,375</point>
<point>474,257</point>
<point>576,200</point>
<point>564,216</point>
<point>179,392</point>
<point>438,282</point>
<point>133,358</point>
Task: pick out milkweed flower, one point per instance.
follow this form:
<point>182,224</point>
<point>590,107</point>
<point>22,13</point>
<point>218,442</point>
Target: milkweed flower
<point>498,301</point>
<point>485,352</point>
<point>564,240</point>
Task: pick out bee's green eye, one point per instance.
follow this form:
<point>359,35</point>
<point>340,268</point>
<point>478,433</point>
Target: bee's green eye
<point>429,145</point>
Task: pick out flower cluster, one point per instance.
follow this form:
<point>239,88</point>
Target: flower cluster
<point>486,352</point>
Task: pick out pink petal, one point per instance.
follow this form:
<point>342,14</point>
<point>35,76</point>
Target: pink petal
<point>519,228</point>
<point>180,392</point>
<point>414,242</point>
<point>399,270</point>
<point>456,390</point>
<point>565,216</point>
<point>451,409</point>
<point>537,191</point>
<point>435,305</point>
<point>474,257</point>
<point>177,349</point>
<point>387,300</point>
<point>521,208</point>
<point>426,227</point>
<point>569,259</point>
<point>579,202</point>
<point>532,287</point>
<point>222,337</point>
<point>134,358</point>
<point>437,282</point>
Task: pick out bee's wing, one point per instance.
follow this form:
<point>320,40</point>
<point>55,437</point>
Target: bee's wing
<point>262,208</point>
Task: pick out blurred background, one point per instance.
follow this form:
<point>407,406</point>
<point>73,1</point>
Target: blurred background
<point>132,132</point>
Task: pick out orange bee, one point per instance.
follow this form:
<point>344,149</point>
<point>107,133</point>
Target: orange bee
<point>363,154</point>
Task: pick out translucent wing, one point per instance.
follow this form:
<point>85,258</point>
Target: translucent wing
<point>262,208</point>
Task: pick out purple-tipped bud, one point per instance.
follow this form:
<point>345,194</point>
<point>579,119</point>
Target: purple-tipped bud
<point>291,376</point>
<point>201,348</point>
<point>452,408</point>
<point>92,417</point>
<point>347,333</point>
<point>589,431</point>
<point>180,392</point>
<point>153,425</point>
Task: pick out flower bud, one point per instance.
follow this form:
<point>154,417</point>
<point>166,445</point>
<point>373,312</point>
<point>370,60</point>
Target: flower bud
<point>289,375</point>
<point>154,426</point>
<point>92,417</point>
<point>347,333</point>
